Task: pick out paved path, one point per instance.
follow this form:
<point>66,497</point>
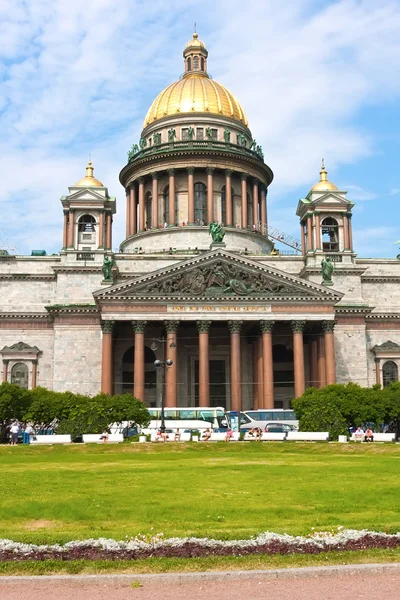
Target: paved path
<point>345,585</point>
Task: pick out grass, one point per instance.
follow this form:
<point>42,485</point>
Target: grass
<point>56,494</point>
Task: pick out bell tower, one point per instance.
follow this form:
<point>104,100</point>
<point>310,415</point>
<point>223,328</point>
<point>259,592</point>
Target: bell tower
<point>88,216</point>
<point>325,222</point>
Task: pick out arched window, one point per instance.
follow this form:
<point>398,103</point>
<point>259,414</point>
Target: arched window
<point>148,204</point>
<point>189,64</point>
<point>202,64</point>
<point>390,372</point>
<point>200,203</point>
<point>330,235</point>
<point>195,63</point>
<point>223,205</point>
<point>19,375</point>
<point>249,211</point>
<point>166,205</point>
<point>86,223</point>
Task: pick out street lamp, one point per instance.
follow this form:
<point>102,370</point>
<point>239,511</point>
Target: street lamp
<point>163,366</point>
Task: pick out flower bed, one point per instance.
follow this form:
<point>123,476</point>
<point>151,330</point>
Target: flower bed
<point>142,547</point>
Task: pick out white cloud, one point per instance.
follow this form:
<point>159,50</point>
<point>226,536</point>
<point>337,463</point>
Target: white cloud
<point>78,79</point>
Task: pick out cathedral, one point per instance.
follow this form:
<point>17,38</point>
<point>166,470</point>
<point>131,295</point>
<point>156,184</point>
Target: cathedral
<point>240,314</point>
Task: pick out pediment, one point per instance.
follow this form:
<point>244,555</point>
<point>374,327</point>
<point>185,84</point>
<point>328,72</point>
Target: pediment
<point>86,194</point>
<point>219,276</point>
<point>20,348</point>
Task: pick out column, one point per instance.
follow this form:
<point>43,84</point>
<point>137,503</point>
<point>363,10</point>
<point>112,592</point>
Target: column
<point>256,384</point>
<point>256,218</point>
<point>314,363</point>
<point>298,357</point>
<point>141,204</point>
<point>236,379</point>
<point>329,339</point>
<point>210,195</point>
<point>171,197</point>
<point>203,327</point>
<point>303,239</point>
<point>154,201</point>
<point>107,357</point>
<point>318,241</point>
<point>377,372</point>
<point>309,232</point>
<point>260,369</point>
<point>71,229</point>
<point>138,359</point>
<point>228,198</point>
<point>171,327</point>
<point>244,200</point>
<point>128,217</point>
<point>263,211</point>
<point>109,231</point>
<point>268,364</point>
<point>321,362</point>
<point>190,172</point>
<point>5,369</point>
<point>65,230</point>
<point>34,374</point>
<point>345,232</point>
<point>133,211</point>
<point>101,230</point>
<point>349,215</point>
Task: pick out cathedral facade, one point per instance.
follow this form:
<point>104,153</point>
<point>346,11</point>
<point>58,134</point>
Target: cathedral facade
<point>201,279</point>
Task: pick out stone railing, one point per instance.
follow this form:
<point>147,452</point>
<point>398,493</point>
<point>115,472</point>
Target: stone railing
<point>194,145</point>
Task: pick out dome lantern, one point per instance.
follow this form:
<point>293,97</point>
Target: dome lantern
<point>195,56</point>
<point>323,184</point>
<point>89,180</point>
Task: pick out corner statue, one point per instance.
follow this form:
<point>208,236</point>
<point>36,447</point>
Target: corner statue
<point>107,268</point>
<point>327,270</point>
<point>217,232</point>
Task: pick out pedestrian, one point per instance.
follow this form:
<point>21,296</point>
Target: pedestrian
<point>14,430</point>
<point>28,433</point>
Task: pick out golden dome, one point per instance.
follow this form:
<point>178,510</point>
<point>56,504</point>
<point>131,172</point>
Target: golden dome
<point>323,184</point>
<point>195,93</point>
<point>89,180</point>
<point>195,42</point>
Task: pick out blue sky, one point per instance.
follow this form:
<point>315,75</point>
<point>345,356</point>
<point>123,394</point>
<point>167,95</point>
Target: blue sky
<point>316,78</point>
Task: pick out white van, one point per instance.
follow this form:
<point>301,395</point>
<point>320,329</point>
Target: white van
<point>263,417</point>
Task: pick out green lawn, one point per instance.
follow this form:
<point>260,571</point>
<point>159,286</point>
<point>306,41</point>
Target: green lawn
<point>220,490</point>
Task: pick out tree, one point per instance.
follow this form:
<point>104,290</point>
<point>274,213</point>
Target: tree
<point>14,402</point>
<point>124,407</point>
<point>391,406</point>
<point>320,412</point>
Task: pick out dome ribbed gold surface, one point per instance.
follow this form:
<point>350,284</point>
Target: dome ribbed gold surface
<point>195,93</point>
<point>323,184</point>
<point>89,180</point>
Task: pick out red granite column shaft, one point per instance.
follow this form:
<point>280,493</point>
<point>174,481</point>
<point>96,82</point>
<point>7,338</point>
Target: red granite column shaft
<point>236,379</point>
<point>139,359</point>
<point>268,364</point>
<point>203,328</point>
<point>298,357</point>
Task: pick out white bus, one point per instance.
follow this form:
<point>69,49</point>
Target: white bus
<point>188,418</point>
<point>263,417</point>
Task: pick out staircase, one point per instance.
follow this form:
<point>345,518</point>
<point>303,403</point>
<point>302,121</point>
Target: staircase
<point>280,236</point>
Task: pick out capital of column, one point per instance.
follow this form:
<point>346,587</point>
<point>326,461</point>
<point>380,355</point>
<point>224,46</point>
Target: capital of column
<point>140,180</point>
<point>139,326</point>
<point>298,326</point>
<point>171,326</point>
<point>235,326</point>
<point>107,326</point>
<point>154,175</point>
<point>243,176</point>
<point>267,326</point>
<point>190,170</point>
<point>328,326</point>
<point>228,173</point>
<point>210,170</point>
<point>171,172</point>
<point>203,326</point>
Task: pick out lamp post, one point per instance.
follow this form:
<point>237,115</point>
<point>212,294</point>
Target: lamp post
<point>163,366</point>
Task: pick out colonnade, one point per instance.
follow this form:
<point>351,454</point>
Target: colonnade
<point>70,226</point>
<point>321,347</point>
<point>311,238</point>
<point>135,199</point>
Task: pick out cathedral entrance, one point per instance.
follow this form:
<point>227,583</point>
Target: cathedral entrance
<point>218,383</point>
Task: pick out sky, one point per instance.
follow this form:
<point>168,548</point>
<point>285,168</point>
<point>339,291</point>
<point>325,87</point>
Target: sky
<point>316,79</point>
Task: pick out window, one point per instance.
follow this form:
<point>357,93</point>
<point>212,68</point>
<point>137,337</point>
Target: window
<point>166,204</point>
<point>390,372</point>
<point>19,375</point>
<point>199,133</point>
<point>223,205</point>
<point>249,211</point>
<point>148,203</point>
<point>86,223</point>
<point>202,64</point>
<point>200,203</point>
<point>189,64</point>
<point>185,133</point>
<point>195,63</point>
<point>330,235</point>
